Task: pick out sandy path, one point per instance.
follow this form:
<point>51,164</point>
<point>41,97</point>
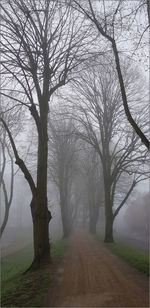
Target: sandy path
<point>90,276</point>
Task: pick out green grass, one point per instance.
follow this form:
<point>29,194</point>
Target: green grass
<point>136,257</point>
<point>26,290</point>
<point>99,237</point>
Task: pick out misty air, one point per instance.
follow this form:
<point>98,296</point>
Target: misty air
<point>74,153</point>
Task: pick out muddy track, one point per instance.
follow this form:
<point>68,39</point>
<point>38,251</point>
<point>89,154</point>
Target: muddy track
<point>91,276</point>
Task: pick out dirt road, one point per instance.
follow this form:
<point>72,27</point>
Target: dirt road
<point>91,276</point>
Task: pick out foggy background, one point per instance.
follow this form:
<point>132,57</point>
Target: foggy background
<point>132,222</point>
<point>131,225</point>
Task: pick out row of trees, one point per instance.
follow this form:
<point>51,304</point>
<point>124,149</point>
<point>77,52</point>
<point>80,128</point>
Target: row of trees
<point>113,25</point>
<point>45,45</point>
<point>41,44</point>
<point>115,152</point>
<point>62,165</point>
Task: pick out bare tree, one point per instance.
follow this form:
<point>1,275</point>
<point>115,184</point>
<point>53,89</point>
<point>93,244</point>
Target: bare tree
<point>62,164</point>
<point>7,162</point>
<point>93,181</point>
<point>143,5</point>
<point>41,43</point>
<point>110,24</point>
<point>6,156</point>
<point>102,124</point>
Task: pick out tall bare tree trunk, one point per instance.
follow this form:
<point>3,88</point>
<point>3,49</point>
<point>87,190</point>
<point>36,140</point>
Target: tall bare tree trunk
<point>7,207</point>
<point>65,213</point>
<point>65,218</point>
<point>7,199</point>
<point>39,206</point>
<point>108,225</point>
<point>93,216</point>
<point>108,212</point>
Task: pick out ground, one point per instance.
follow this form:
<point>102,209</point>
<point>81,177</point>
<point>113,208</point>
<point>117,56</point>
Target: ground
<point>91,276</point>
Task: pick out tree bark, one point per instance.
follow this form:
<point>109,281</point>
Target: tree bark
<point>108,212</point>
<point>108,225</point>
<point>148,11</point>
<point>41,218</point>
<point>142,136</point>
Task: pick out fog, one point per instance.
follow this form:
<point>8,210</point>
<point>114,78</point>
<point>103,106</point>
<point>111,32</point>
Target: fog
<point>73,159</point>
<point>74,153</point>
<point>19,229</point>
<point>74,124</point>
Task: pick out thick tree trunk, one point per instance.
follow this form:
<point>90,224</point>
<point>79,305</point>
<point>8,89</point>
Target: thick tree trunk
<point>41,218</point>
<point>108,211</point>
<point>108,226</point>
<point>39,206</point>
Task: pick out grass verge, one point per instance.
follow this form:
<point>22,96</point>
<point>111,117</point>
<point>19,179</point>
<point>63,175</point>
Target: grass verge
<point>26,290</point>
<point>136,257</point>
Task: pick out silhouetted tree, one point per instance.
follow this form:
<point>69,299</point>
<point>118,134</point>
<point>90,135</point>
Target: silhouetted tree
<point>93,182</point>
<point>62,164</point>
<point>102,124</point>
<point>8,193</point>
<point>110,23</point>
<point>13,118</point>
<point>41,43</point>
